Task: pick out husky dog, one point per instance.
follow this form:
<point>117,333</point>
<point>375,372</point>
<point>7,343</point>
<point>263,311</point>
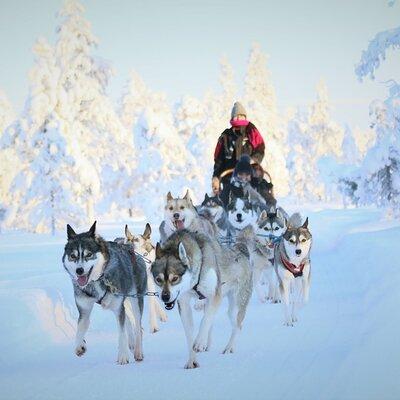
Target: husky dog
<point>106,273</point>
<point>190,266</point>
<point>142,244</point>
<point>181,214</point>
<point>212,208</point>
<point>240,189</point>
<point>271,225</point>
<point>241,212</point>
<point>268,230</point>
<point>292,266</point>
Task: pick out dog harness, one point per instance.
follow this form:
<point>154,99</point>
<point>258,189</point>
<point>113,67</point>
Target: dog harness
<point>296,271</point>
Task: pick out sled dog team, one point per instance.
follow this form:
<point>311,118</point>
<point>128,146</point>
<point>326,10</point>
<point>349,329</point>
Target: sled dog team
<point>205,253</point>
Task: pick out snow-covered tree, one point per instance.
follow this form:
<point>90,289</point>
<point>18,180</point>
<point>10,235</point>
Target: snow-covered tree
<point>47,195</point>
<point>134,100</point>
<point>304,184</point>
<point>350,151</point>
<point>365,139</point>
<point>9,167</point>
<point>379,175</point>
<point>96,133</point>
<point>327,133</point>
<point>260,103</point>
<point>162,159</point>
<point>380,171</point>
<point>68,110</point>
<point>228,85</point>
<point>7,114</point>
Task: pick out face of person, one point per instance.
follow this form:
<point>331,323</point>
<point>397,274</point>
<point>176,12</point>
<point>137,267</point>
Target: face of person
<point>258,173</point>
<point>244,177</point>
<point>240,117</point>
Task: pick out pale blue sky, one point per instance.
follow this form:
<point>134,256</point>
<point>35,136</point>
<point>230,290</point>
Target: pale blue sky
<point>176,45</point>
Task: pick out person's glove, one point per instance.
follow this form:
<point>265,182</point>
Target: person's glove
<point>215,185</point>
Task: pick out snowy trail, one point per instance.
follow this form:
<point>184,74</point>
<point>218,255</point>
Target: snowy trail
<point>343,346</point>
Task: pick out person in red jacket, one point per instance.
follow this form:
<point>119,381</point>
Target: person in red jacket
<point>241,138</point>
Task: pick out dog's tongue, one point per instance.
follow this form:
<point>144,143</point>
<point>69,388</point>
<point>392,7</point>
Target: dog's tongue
<point>82,280</point>
<point>179,224</point>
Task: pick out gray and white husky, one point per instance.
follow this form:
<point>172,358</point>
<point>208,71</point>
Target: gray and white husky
<point>181,214</point>
<point>143,245</point>
<point>190,266</point>
<point>269,229</point>
<point>106,273</point>
<point>212,208</point>
<point>241,212</point>
<point>293,267</point>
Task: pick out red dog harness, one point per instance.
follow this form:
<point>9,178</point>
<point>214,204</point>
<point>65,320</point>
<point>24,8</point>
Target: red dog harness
<point>296,271</point>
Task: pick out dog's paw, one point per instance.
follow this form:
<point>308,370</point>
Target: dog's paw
<point>200,345</point>
<point>199,305</point>
<point>123,359</point>
<point>191,364</point>
<point>80,349</point>
<point>263,299</point>
<point>154,329</point>
<point>228,350</point>
<point>288,323</point>
<point>138,355</point>
<point>162,316</point>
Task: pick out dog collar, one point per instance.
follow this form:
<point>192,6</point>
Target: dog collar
<point>296,271</point>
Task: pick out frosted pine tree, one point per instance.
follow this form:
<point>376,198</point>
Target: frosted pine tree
<point>162,159</point>
<point>304,181</point>
<point>95,134</point>
<point>134,100</point>
<point>365,139</point>
<point>260,103</point>
<point>47,202</point>
<point>19,137</point>
<point>189,114</point>
<point>7,114</point>
<point>228,85</point>
<point>327,134</point>
<point>380,171</point>
<point>350,152</point>
<point>7,155</point>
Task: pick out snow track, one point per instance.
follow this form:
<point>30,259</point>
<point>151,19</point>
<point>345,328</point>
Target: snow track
<point>343,347</point>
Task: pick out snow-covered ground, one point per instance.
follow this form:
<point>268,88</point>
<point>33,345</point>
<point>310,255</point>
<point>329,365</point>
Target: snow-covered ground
<point>345,345</point>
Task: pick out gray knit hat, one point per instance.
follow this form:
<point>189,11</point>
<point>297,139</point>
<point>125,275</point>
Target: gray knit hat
<point>238,109</point>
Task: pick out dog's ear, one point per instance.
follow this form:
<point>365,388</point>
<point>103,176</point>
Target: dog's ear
<point>232,197</point>
<point>305,225</point>
<point>272,210</point>
<point>263,215</point>
<point>280,215</point>
<point>182,254</point>
<point>128,234</point>
<point>169,196</point>
<point>147,232</point>
<point>187,196</point>
<point>70,232</point>
<point>159,252</point>
<point>92,230</point>
<point>206,197</point>
<point>247,196</point>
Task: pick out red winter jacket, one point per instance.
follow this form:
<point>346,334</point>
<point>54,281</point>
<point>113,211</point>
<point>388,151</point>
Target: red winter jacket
<point>232,144</point>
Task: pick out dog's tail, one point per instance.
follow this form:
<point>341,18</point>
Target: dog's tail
<point>295,221</point>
